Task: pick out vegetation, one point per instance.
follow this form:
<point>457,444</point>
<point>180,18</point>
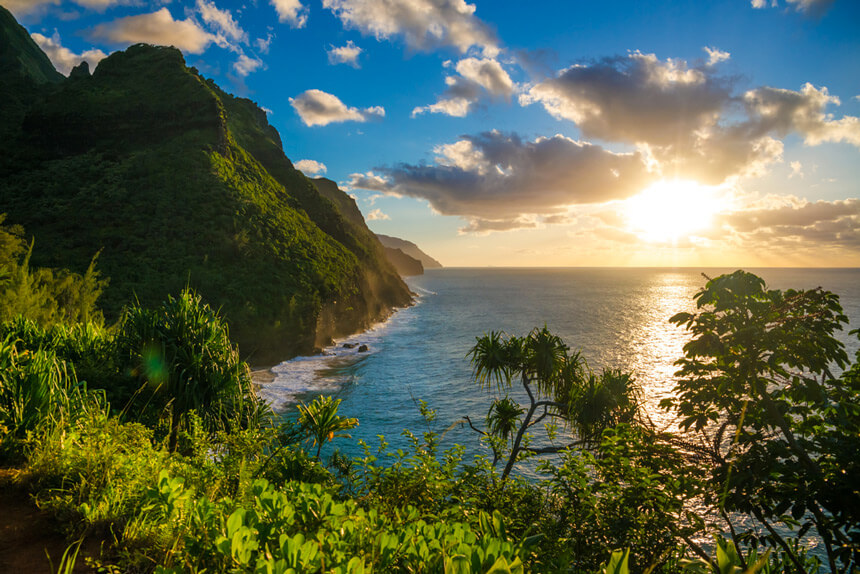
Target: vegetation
<point>131,418</point>
<point>176,183</point>
<point>148,436</point>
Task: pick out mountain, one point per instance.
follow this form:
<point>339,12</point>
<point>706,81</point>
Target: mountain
<point>176,183</point>
<point>404,264</point>
<point>409,249</point>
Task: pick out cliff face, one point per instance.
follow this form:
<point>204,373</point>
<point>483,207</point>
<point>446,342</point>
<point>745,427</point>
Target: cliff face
<point>404,264</point>
<point>410,249</point>
<point>178,183</point>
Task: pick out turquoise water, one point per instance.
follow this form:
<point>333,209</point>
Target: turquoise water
<point>617,317</point>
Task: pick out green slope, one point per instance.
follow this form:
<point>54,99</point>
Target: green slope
<point>178,182</point>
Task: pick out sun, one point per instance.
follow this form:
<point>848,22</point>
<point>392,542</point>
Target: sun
<point>671,210</point>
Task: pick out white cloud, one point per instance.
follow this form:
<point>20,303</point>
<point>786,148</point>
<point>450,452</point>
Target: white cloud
<point>22,7</point>
<point>499,180</point>
<point>63,58</point>
<point>155,28</point>
<point>292,12</point>
<point>488,74</point>
<point>377,215</point>
<point>222,21</point>
<point>246,65</point>
<point>478,77</point>
<point>344,54</point>
<point>796,170</point>
<point>423,24</point>
<point>456,107</point>
<point>715,55</point>
<point>812,8</point>
<point>318,108</point>
<point>785,111</point>
<point>263,44</point>
<point>310,166</point>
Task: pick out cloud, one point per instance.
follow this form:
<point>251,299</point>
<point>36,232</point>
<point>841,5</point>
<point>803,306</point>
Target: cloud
<point>318,108</point>
<point>784,111</point>
<point>245,65</point>
<point>686,120</point>
<point>796,170</point>
<point>495,177</point>
<point>345,54</point>
<point>377,215</point>
<point>478,226</point>
<point>715,55</point>
<point>310,166</point>
<point>794,214</point>
<point>63,58</point>
<point>263,44</point>
<point>798,224</point>
<point>636,98</point>
<point>222,21</point>
<point>811,8</point>
<point>423,24</point>
<point>21,7</point>
<point>155,28</point>
<point>291,12</point>
<point>477,77</point>
<point>456,107</point>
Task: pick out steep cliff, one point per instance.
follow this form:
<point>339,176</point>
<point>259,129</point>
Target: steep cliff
<point>178,183</point>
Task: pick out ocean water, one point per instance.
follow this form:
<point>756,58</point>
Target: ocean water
<point>618,318</point>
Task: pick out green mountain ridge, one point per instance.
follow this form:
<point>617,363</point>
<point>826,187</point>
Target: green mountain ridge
<point>410,249</point>
<point>178,183</point>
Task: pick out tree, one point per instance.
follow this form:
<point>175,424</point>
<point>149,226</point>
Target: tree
<point>559,387</point>
<point>784,432</point>
<point>321,421</point>
<point>182,352</point>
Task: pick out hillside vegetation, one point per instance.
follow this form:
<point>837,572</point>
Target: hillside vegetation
<point>177,183</point>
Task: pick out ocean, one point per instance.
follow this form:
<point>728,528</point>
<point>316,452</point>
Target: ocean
<point>618,318</point>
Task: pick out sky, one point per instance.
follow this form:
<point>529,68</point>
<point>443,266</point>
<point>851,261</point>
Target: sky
<point>541,133</point>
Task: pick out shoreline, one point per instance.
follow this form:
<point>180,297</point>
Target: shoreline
<point>262,375</point>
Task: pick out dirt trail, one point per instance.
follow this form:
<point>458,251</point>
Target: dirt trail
<point>29,541</point>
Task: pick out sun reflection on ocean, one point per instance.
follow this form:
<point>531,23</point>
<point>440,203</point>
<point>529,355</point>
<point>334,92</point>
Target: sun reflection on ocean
<point>657,343</point>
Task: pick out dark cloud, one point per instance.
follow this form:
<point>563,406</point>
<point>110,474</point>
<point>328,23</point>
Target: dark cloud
<point>636,98</point>
<point>497,177</point>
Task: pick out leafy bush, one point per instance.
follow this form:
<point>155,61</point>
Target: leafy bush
<point>182,351</point>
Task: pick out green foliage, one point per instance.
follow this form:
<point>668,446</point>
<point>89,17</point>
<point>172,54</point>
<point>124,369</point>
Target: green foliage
<point>47,296</point>
<point>321,421</point>
<point>558,384</point>
<point>303,528</point>
<point>177,183</point>
<point>632,492</point>
<point>757,375</point>
<point>35,388</point>
<point>182,352</point>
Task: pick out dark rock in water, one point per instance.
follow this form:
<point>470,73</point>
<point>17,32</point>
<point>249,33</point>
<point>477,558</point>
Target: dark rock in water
<point>350,345</point>
<point>362,349</point>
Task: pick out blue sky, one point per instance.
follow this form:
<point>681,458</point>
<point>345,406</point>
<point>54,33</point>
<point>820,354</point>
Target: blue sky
<point>551,132</point>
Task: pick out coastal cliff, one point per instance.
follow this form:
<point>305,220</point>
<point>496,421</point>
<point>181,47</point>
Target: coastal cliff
<point>175,182</point>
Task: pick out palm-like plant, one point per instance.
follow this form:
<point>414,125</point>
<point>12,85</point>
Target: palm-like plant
<point>322,423</point>
<point>183,351</point>
<point>558,384</point>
